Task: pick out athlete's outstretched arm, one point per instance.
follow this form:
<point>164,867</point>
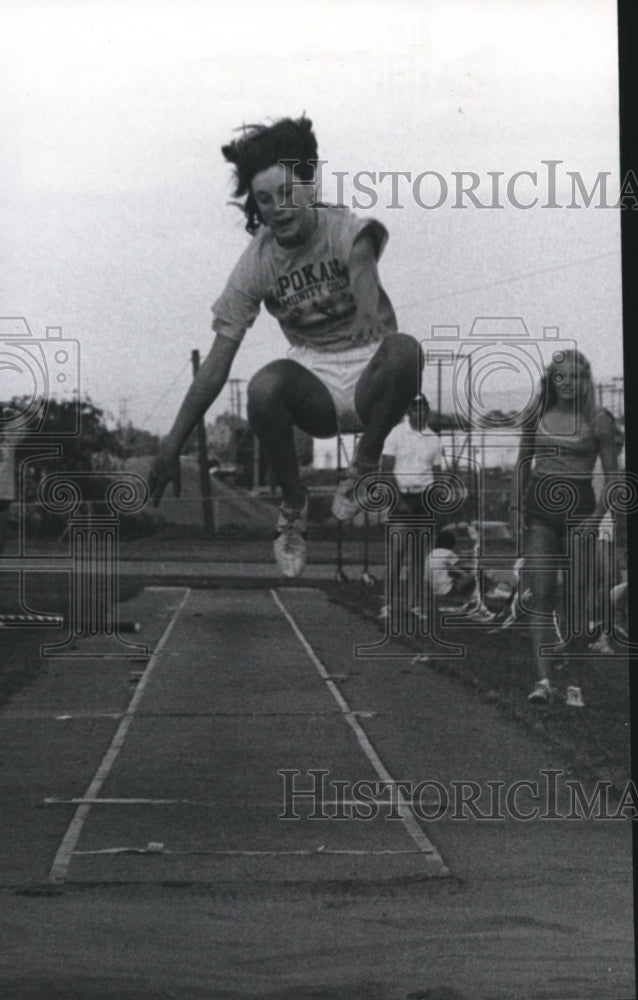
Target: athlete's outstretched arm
<point>203,391</point>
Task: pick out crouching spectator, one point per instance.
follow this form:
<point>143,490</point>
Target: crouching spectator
<point>442,571</point>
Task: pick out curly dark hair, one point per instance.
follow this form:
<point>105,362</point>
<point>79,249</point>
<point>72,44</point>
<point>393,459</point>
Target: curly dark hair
<point>262,146</point>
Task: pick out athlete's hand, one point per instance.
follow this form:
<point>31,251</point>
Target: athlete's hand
<point>164,470</point>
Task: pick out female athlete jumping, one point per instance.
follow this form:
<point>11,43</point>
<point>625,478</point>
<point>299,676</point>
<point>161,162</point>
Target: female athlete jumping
<point>347,369</point>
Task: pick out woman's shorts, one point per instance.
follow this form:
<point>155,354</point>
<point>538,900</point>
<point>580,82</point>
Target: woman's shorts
<point>339,371</point>
<point>545,498</point>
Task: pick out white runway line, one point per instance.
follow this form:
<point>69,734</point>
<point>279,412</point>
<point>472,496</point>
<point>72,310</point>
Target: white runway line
<point>418,836</point>
<point>156,590</point>
<point>122,802</point>
<point>302,853</point>
<point>52,800</point>
<point>62,860</point>
<point>83,716</point>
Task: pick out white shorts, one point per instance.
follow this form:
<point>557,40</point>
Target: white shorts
<point>339,371</point>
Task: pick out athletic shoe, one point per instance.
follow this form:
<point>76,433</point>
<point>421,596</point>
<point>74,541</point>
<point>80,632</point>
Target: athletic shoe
<point>290,544</point>
<point>476,610</point>
<point>601,645</point>
<point>344,505</point>
<point>574,697</point>
<point>542,693</point>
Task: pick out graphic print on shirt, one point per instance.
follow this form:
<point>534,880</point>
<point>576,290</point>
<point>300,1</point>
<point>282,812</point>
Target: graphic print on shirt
<point>306,288</point>
<point>313,296</point>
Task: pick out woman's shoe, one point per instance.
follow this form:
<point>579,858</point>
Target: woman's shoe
<point>574,697</point>
<point>542,693</point>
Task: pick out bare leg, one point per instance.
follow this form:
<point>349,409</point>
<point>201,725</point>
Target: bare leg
<point>541,541</point>
<point>383,394</point>
<point>284,394</point>
<point>385,390</point>
<point>281,396</point>
<point>599,597</point>
<point>597,591</point>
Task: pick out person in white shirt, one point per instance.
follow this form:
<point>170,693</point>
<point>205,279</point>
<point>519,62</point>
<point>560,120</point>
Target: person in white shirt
<point>413,454</point>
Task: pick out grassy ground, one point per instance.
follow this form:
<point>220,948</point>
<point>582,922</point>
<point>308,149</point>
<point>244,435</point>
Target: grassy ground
<point>499,666</point>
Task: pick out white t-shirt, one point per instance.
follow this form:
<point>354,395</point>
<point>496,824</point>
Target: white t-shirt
<point>439,563</point>
<point>415,454</point>
<point>306,288</point>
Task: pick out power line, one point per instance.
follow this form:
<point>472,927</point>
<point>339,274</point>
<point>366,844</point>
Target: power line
<point>165,394</point>
<point>508,281</point>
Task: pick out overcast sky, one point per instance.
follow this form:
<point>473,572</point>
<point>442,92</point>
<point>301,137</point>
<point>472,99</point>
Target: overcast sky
<point>114,191</point>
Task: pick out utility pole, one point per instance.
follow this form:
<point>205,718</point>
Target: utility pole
<point>470,442</point>
<point>123,421</point>
<point>204,477</point>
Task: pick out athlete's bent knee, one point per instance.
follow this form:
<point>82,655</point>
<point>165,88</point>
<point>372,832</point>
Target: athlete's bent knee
<point>264,389</point>
<point>403,351</point>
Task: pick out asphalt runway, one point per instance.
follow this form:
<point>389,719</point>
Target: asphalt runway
<point>153,845</point>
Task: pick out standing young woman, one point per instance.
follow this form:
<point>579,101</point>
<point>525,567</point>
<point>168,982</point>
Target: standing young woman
<point>559,456</point>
